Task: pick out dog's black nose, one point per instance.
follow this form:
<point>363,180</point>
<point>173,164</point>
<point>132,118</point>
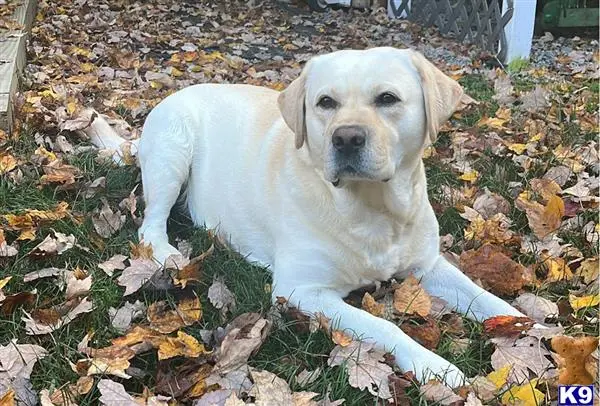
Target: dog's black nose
<point>349,139</point>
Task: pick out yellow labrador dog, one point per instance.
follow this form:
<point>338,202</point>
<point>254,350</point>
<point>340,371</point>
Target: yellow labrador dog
<point>323,183</point>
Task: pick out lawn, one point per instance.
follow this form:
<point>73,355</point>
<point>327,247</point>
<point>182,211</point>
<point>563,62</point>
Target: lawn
<point>529,143</point>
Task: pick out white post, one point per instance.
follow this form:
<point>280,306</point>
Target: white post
<point>519,30</point>
<point>397,4</point>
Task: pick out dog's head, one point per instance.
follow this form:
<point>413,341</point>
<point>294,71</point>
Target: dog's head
<point>365,114</point>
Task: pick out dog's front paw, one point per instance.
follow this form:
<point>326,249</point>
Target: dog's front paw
<point>435,367</point>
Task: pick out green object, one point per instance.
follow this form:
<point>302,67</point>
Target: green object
<point>570,13</point>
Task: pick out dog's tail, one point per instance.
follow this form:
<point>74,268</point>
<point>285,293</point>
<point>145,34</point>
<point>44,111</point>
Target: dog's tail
<point>103,136</point>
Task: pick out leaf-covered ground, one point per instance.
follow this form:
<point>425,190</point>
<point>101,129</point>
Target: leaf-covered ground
<point>513,180</point>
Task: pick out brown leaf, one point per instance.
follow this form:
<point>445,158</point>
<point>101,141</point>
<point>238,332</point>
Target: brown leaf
<point>66,312</point>
<point>437,392</point>
<point>574,353</point>
<point>52,246</point>
<point>507,326</point>
<point>411,298</point>
<point>59,172</point>
<point>117,262</point>
<point>370,305</point>
<point>137,274</point>
<point>365,367</point>
<point>18,360</point>
<point>185,381</point>
<point>488,204</point>
<point>193,270</point>
<point>543,219</point>
<point>78,283</point>
<point>11,302</point>
<point>536,307</point>
<point>497,272</point>
<point>220,296</point>
<point>522,355</point>
<point>428,334</point>
<point>340,338</point>
<point>141,250</point>
<point>106,222</point>
<point>122,317</point>
<point>165,320</point>
<point>241,342</point>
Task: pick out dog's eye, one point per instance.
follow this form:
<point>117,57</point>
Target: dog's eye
<point>386,99</point>
<point>327,103</point>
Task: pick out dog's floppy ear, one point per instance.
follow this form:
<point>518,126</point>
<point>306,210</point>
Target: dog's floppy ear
<point>293,109</point>
<point>442,94</point>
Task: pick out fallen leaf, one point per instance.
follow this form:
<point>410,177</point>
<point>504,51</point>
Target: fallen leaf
<point>137,274</point>
<point>499,377</point>
<point>93,187</point>
<point>59,172</point>
<point>523,395</point>
<point>306,377</point>
<point>543,219</point>
<point>522,355</point>
<point>370,305</point>
<point>497,272</point>
<point>9,303</point>
<point>220,296</point>
<point>18,360</point>
<point>536,307</point>
<point>141,250</point>
<point>106,222</point>
<point>472,400</point>
<point>427,333</point>
<point>122,317</point>
<point>193,270</point>
<point>43,273</point>
<point>66,314</point>
<point>239,343</point>
<point>558,269</point>
<point>507,326</point>
<point>57,245</point>
<point>165,320</point>
<point>535,100</point>
<point>112,360</point>
<point>489,204</point>
<point>113,393</point>
<point>411,298</point>
<point>183,346</point>
<point>589,269</point>
<point>584,302</point>
<point>78,283</point>
<point>365,367</point>
<point>116,262</point>
<point>437,392</point>
<point>340,338</point>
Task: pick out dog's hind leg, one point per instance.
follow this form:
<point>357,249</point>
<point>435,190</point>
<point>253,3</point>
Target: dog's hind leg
<point>165,155</point>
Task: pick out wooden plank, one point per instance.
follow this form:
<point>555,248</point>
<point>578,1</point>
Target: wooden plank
<point>13,58</point>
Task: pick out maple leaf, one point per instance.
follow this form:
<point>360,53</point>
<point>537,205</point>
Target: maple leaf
<point>497,272</point>
<point>504,326</point>
<point>428,334</point>
<point>164,320</point>
<point>370,305</point>
<point>543,219</point>
<point>59,172</point>
<point>116,262</point>
<point>247,333</point>
<point>220,296</point>
<point>440,393</point>
<point>522,355</point>
<point>106,222</point>
<point>365,367</point>
<point>60,316</point>
<point>536,307</point>
<point>411,298</point>
<point>112,360</point>
<point>122,317</point>
<point>184,345</point>
<point>137,274</point>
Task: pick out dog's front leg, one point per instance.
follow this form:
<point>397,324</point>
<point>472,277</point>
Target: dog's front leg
<point>409,355</point>
<point>446,281</point>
